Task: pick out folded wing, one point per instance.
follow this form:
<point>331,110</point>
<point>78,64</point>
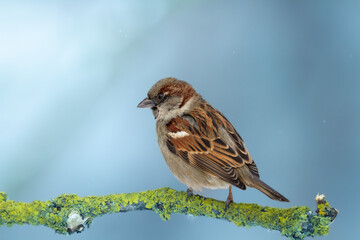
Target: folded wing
<point>201,139</point>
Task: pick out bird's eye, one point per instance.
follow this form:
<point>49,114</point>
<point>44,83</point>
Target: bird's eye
<point>160,97</point>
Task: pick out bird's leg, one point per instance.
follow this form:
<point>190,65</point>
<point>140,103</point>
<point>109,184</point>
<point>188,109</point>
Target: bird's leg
<point>189,193</point>
<point>229,198</point>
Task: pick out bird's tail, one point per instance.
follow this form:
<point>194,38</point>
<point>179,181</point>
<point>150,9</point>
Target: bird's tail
<point>268,191</point>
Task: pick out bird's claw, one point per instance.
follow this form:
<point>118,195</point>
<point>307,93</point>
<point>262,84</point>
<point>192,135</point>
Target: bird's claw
<point>189,193</point>
<point>227,203</point>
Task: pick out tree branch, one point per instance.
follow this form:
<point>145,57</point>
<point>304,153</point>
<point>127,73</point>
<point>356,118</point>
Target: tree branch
<point>68,213</point>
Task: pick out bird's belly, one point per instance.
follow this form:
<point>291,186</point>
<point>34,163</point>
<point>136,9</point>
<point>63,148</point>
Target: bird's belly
<point>191,176</point>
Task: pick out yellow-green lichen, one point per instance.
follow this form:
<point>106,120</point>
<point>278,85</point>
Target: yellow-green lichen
<point>323,208</point>
<point>3,197</point>
<point>295,222</point>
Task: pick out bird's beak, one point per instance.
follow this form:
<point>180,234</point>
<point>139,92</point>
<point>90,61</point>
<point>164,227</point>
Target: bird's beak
<point>146,103</point>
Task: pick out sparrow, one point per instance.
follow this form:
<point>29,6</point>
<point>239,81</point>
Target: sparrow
<point>200,146</point>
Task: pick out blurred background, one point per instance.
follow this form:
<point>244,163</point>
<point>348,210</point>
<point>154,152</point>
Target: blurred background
<point>285,73</point>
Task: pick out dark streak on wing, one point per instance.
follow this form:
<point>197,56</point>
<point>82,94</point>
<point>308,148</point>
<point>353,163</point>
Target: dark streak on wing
<point>230,151</point>
<point>193,149</point>
<point>196,130</point>
<point>170,146</point>
<point>203,148</point>
<point>207,142</point>
<point>238,140</point>
<point>219,141</point>
<point>243,156</point>
<point>253,169</point>
<point>212,119</point>
<point>184,155</point>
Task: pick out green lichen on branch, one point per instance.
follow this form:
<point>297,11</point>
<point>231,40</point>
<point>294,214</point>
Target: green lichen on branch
<point>69,213</point>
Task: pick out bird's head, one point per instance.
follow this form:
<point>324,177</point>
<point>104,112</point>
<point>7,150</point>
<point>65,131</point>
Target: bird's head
<point>170,98</point>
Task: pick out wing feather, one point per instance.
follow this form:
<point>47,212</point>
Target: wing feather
<point>205,148</point>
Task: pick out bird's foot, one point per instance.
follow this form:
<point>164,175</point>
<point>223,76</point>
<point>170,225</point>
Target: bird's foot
<point>189,193</point>
<point>229,199</point>
<point>227,203</point>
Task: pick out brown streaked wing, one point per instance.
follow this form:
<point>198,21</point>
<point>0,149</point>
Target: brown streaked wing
<point>222,121</point>
<point>203,148</point>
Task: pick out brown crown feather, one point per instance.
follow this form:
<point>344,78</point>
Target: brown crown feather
<point>174,87</point>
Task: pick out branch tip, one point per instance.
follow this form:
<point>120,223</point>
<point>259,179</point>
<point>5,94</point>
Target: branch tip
<point>324,209</point>
<point>320,199</point>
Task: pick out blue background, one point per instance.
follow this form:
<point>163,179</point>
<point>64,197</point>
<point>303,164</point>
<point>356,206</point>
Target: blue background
<point>285,73</point>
